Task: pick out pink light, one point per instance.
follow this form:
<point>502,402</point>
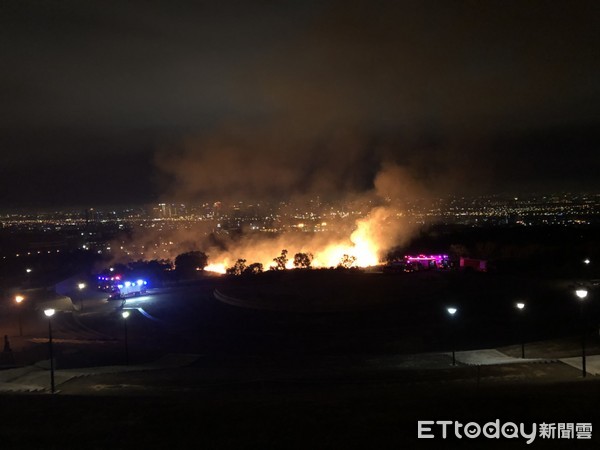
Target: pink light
<point>427,257</point>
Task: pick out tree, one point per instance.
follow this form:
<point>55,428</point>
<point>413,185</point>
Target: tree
<point>238,268</point>
<point>254,269</point>
<point>303,260</point>
<point>120,268</point>
<point>347,261</point>
<point>154,270</point>
<point>280,261</point>
<point>188,264</point>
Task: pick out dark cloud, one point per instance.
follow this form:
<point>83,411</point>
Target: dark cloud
<point>320,92</point>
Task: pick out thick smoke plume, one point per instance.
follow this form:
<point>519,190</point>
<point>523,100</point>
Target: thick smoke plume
<point>383,226</point>
<point>363,197</point>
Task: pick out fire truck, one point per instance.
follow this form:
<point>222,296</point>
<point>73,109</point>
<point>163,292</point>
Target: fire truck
<point>128,289</point>
<point>120,288</point>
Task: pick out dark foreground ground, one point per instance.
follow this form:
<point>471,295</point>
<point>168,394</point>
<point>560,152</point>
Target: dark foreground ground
<point>177,409</point>
<point>280,380</point>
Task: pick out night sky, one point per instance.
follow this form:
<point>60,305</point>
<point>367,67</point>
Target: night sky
<point>123,102</point>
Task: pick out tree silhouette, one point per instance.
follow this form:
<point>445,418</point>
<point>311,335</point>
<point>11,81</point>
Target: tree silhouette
<point>188,264</point>
<point>238,268</point>
<point>347,261</point>
<point>154,270</point>
<point>303,260</point>
<point>253,269</point>
<point>280,261</point>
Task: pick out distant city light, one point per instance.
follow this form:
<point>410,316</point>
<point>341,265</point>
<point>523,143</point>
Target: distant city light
<point>520,305</point>
<point>452,311</point>
<point>19,298</point>
<point>586,261</point>
<point>81,286</point>
<point>581,293</point>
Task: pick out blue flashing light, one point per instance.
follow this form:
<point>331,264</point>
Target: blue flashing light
<point>127,283</point>
<point>140,282</point>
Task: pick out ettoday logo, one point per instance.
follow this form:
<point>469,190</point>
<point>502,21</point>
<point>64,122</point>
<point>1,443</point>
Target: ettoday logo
<point>430,429</point>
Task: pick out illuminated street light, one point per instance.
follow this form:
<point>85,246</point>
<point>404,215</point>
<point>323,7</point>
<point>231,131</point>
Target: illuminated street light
<point>19,299</point>
<point>49,313</point>
<point>125,315</point>
<point>582,294</point>
<point>28,270</point>
<point>452,311</point>
<point>521,307</point>
<point>81,286</point>
<point>586,261</point>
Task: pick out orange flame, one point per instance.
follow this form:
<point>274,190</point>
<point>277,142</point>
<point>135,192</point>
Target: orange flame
<point>216,267</point>
<point>362,248</point>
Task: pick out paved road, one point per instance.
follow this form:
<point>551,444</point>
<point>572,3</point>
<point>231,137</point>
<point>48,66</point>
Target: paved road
<point>188,320</point>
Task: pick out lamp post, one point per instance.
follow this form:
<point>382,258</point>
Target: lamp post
<point>49,313</point>
<point>19,299</point>
<point>582,294</point>
<point>81,286</point>
<point>521,307</point>
<point>452,311</point>
<point>125,315</point>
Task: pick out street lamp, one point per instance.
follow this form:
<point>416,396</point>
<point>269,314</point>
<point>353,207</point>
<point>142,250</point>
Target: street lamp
<point>19,299</point>
<point>582,294</point>
<point>452,311</point>
<point>81,286</point>
<point>586,261</point>
<point>49,313</point>
<point>520,307</point>
<point>125,315</point>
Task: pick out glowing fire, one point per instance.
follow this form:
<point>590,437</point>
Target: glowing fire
<point>362,248</point>
<point>217,268</point>
<point>361,251</point>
